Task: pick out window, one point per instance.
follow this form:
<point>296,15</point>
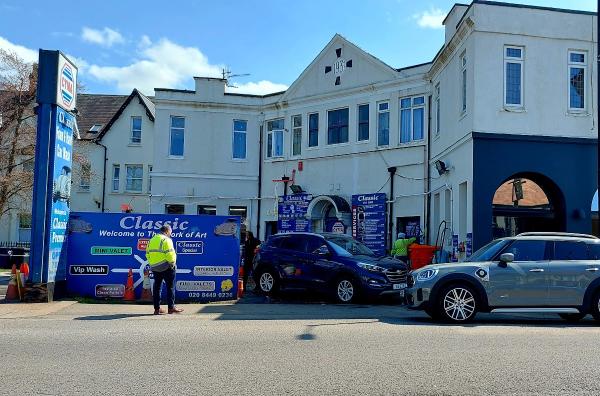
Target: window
<point>149,178</point>
<point>207,210</point>
<point>24,227</point>
<point>437,108</point>
<point>513,76</point>
<point>463,82</point>
<point>577,77</point>
<point>363,122</point>
<point>239,139</point>
<point>116,173</point>
<point>241,211</point>
<point>296,135</point>
<point>177,139</point>
<point>84,182</point>
<point>95,128</point>
<point>412,119</point>
<point>531,250</point>
<point>383,124</point>
<point>594,251</point>
<point>275,138</point>
<point>135,177</point>
<point>337,126</point>
<point>296,243</point>
<point>174,209</point>
<point>313,130</point>
<point>564,250</point>
<point>136,130</point>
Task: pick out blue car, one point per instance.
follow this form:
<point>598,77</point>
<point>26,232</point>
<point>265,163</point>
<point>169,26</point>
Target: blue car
<point>335,264</point>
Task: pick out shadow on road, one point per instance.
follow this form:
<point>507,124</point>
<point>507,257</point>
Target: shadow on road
<point>111,317</point>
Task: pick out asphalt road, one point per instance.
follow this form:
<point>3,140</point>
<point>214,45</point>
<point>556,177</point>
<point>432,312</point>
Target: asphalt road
<point>289,349</point>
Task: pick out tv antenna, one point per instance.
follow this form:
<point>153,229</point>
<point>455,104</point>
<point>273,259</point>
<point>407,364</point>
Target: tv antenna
<point>228,74</point>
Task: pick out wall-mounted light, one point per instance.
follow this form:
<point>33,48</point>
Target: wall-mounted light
<point>296,189</point>
<point>441,167</point>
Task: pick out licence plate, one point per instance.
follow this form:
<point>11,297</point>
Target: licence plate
<point>398,286</point>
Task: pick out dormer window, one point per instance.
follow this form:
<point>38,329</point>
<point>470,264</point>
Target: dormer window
<point>95,128</point>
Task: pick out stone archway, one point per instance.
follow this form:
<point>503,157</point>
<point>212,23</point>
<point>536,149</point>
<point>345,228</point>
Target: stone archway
<point>527,202</point>
<point>325,207</point>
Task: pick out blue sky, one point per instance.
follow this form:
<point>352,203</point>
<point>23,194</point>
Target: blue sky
<point>145,44</point>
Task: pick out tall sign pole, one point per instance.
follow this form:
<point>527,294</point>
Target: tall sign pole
<point>56,98</point>
<point>597,98</point>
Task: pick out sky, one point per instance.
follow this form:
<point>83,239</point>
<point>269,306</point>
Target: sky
<point>119,45</point>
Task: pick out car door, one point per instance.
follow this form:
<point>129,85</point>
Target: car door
<point>571,272</point>
<point>523,282</point>
<point>318,268</point>
<point>290,260</point>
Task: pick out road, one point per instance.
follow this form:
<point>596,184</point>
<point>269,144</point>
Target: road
<point>290,349</point>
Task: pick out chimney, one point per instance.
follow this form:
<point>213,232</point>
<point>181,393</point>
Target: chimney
<point>208,88</point>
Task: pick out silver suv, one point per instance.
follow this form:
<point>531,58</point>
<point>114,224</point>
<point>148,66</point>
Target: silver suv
<point>532,272</point>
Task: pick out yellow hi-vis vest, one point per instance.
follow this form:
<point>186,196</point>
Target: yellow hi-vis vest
<point>160,253</point>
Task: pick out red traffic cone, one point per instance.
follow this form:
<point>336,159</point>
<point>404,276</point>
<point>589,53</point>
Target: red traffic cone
<point>240,292</point>
<point>146,290</point>
<point>12,293</point>
<point>129,292</point>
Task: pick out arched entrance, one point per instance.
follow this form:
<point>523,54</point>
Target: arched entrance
<point>325,210</point>
<point>527,203</point>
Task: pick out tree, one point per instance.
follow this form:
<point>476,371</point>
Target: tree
<point>18,81</point>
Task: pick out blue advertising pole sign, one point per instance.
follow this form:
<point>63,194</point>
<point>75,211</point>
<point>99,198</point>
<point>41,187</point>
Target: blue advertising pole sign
<point>57,98</point>
<point>291,213</point>
<point>369,220</point>
<point>103,247</point>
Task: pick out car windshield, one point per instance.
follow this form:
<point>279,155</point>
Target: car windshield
<point>348,246</point>
<point>488,252</point>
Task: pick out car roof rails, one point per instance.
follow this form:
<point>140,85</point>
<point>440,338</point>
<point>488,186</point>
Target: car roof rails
<point>557,234</point>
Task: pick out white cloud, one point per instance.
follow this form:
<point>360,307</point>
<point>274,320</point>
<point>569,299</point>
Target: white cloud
<point>106,37</point>
<point>165,64</point>
<point>258,88</point>
<point>28,55</point>
<point>431,19</point>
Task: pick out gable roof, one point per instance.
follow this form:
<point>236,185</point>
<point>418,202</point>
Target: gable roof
<point>144,100</point>
<point>96,109</point>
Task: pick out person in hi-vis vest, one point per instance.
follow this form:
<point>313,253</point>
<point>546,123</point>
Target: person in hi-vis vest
<point>162,259</point>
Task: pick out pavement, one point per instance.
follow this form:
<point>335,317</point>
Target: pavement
<point>285,348</point>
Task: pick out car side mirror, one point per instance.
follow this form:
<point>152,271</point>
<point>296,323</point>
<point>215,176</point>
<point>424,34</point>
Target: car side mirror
<point>506,258</point>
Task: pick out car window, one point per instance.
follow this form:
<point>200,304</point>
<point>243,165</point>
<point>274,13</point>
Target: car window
<point>594,251</point>
<point>293,242</point>
<point>570,250</point>
<point>489,251</point>
<point>313,244</point>
<point>527,250</point>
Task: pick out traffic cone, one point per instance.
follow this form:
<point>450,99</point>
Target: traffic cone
<point>129,292</point>
<point>240,292</point>
<point>12,293</point>
<point>146,290</point>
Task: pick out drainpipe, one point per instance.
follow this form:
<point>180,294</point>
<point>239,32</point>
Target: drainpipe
<point>426,221</point>
<point>103,174</point>
<point>392,171</point>
<point>260,161</point>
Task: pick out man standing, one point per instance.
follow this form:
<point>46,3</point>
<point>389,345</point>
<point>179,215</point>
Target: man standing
<point>162,259</point>
<point>400,249</point>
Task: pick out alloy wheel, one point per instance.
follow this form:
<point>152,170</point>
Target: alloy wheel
<point>459,304</point>
<point>266,282</point>
<point>345,290</point>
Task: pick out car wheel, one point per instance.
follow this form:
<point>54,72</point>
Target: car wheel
<point>457,304</point>
<point>345,290</point>
<point>596,306</point>
<point>572,317</point>
<point>267,282</point>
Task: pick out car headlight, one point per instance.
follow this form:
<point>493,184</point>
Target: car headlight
<point>371,267</point>
<point>426,275</point>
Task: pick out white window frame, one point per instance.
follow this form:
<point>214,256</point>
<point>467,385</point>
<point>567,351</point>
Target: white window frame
<point>437,101</point>
<point>379,111</point>
<point>171,127</point>
<point>521,61</point>
<point>294,130</point>
<point>245,132</point>
<point>85,177</point>
<point>358,140</point>
<point>273,145</point>
<point>141,178</point>
<point>115,179</point>
<point>308,146</point>
<point>149,185</point>
<point>131,137</point>
<point>579,65</point>
<point>412,109</point>
<point>463,83</point>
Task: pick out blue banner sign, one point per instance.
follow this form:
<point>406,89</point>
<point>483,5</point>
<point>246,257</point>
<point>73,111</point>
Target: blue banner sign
<point>369,220</point>
<point>291,213</point>
<point>103,247</point>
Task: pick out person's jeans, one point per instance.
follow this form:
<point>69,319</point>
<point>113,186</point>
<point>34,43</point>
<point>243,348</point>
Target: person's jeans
<point>169,277</point>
